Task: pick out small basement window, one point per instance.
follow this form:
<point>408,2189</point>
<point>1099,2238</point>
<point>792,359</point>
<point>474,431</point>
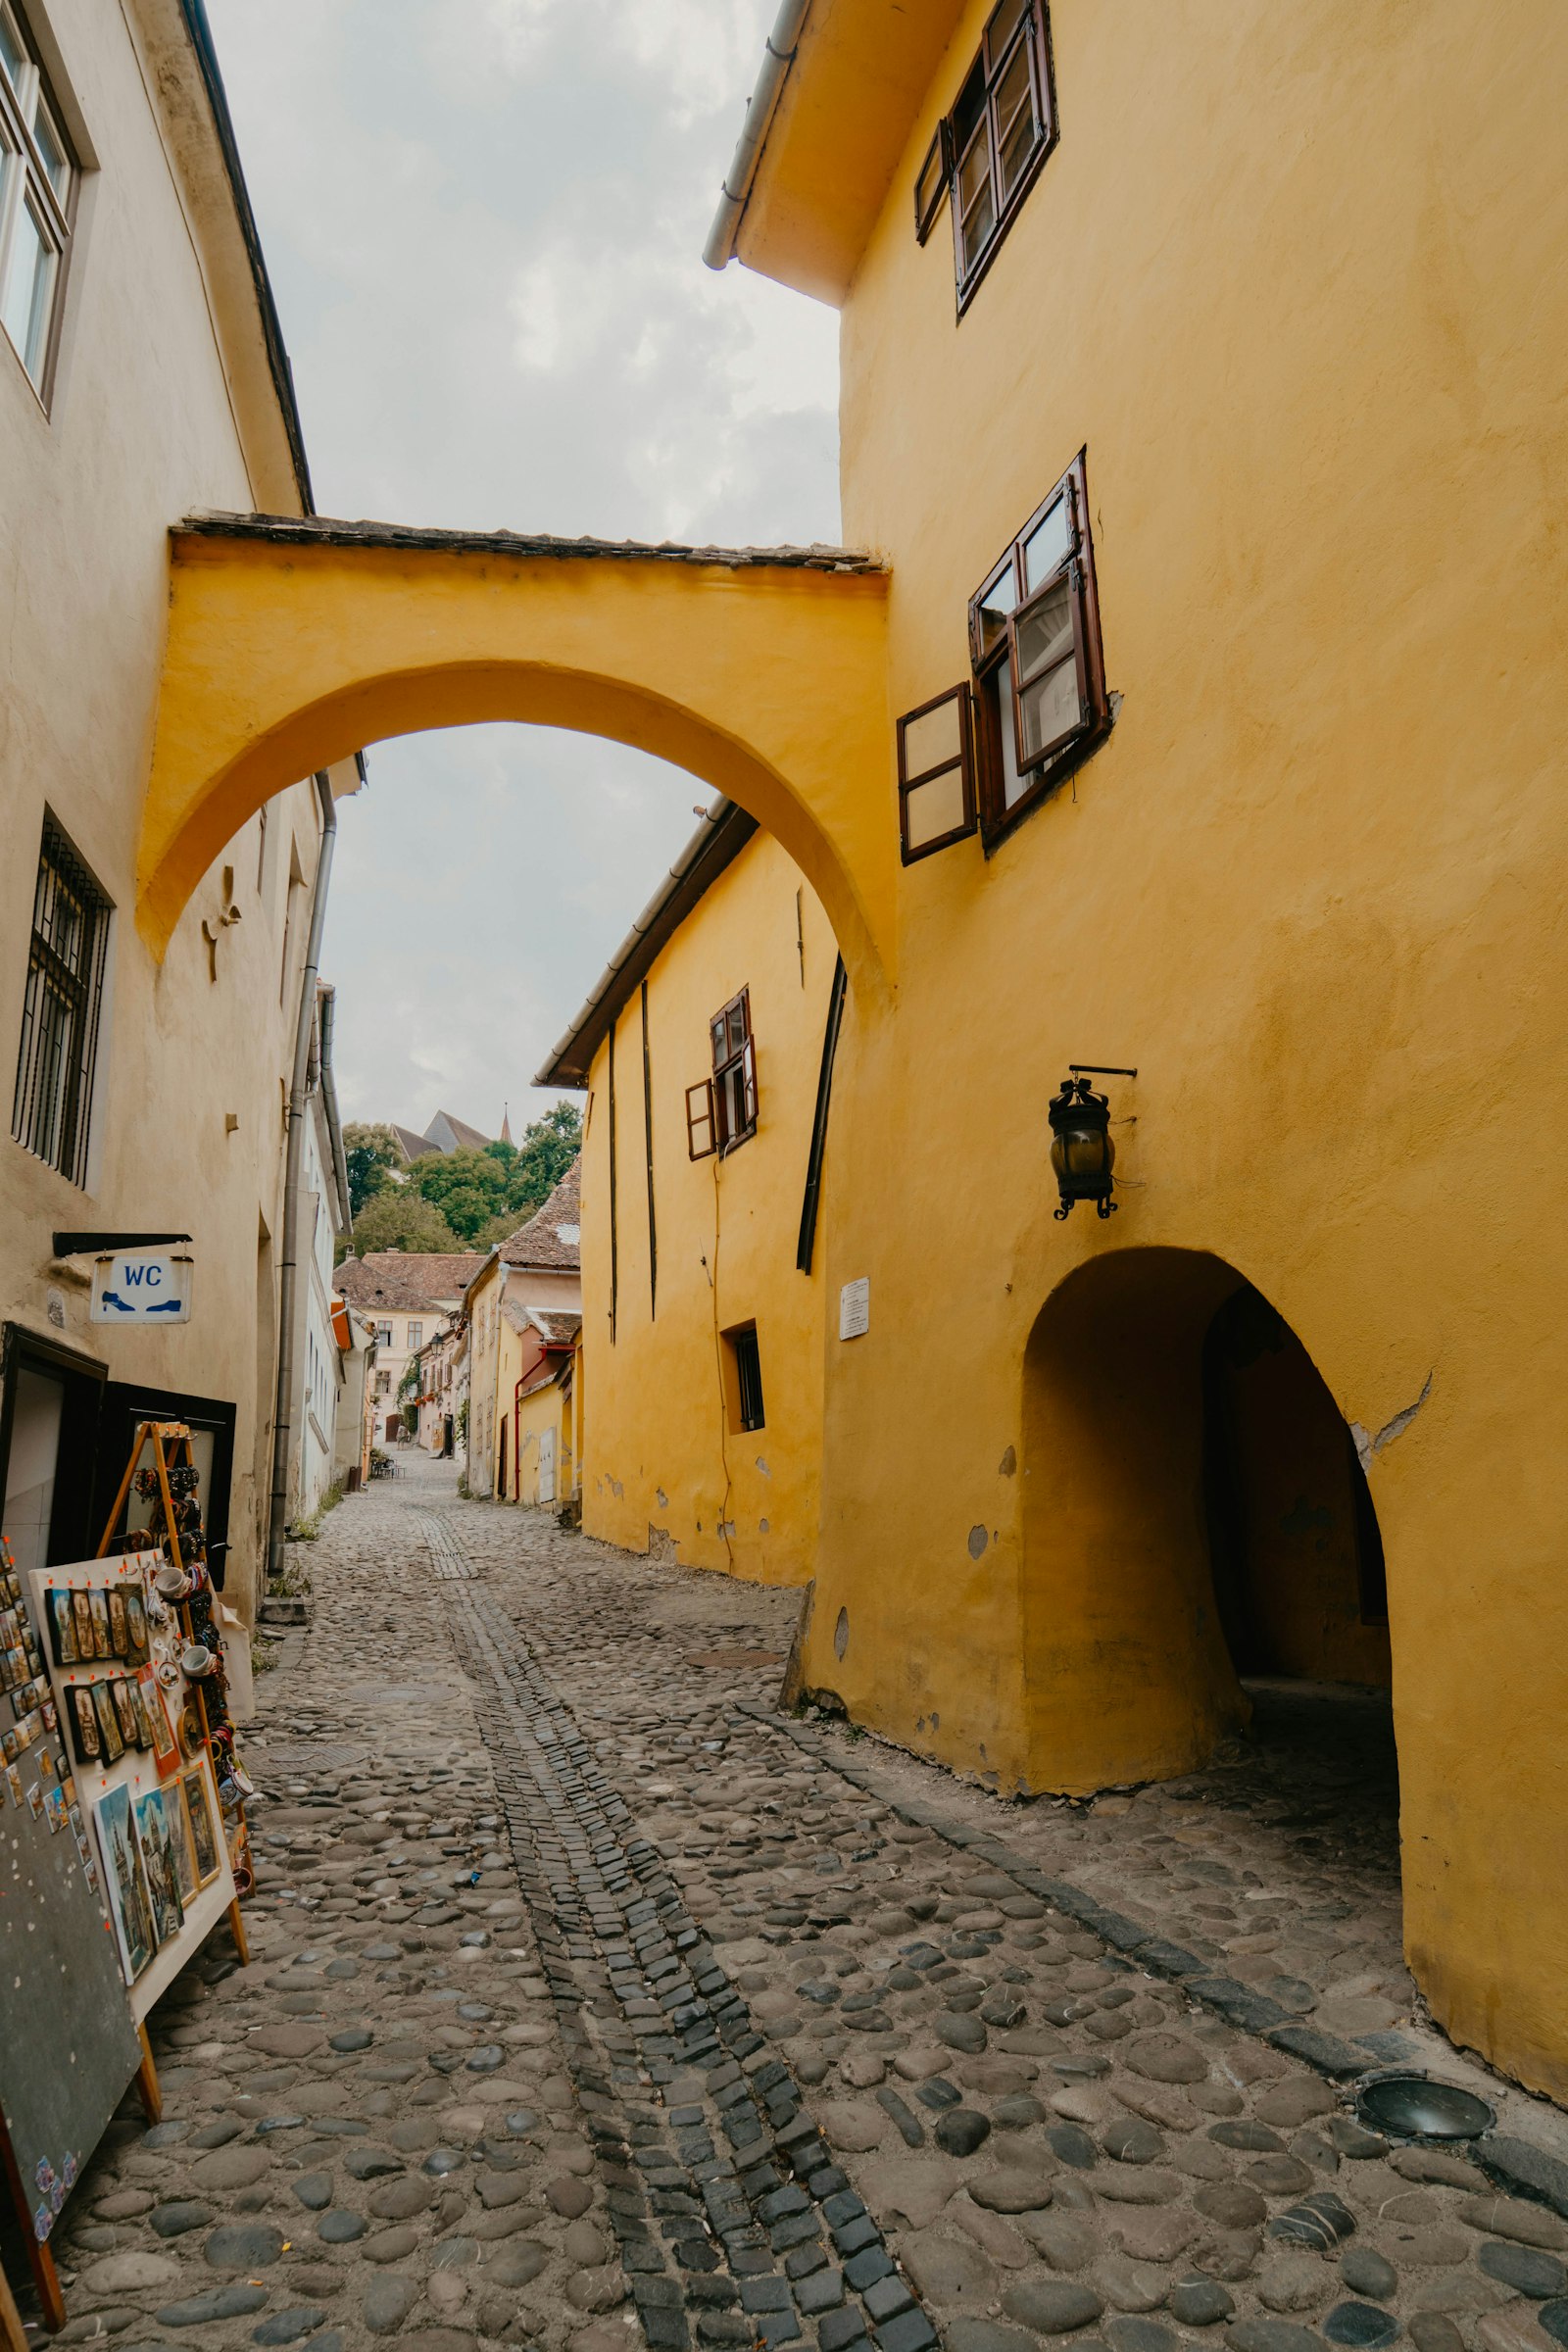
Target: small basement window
<point>743,1383</point>
<point>987,153</point>
<point>721,1111</point>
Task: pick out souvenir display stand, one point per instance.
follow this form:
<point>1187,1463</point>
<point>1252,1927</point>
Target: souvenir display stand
<point>122,1737</point>
<point>69,2048</point>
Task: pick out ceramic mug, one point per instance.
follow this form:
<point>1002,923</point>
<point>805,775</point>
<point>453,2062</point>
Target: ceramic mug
<point>196,1661</point>
<point>172,1583</point>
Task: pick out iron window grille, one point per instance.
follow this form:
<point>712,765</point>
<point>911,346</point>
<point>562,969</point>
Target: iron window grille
<point>986,154</point>
<point>38,178</point>
<point>721,1111</point>
<point>51,1111</point>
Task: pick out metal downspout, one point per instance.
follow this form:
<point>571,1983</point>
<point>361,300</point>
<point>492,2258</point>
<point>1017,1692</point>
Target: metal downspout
<point>284,1409</point>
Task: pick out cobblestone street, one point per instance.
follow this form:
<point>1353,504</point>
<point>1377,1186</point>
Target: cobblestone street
<point>593,2001</point>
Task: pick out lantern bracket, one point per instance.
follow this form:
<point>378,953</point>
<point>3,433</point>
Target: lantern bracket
<point>1096,1069</point>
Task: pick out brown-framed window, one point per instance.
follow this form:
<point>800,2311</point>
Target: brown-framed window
<point>744,1383</point>
<point>935,774</point>
<point>721,1111</point>
<point>1039,663</point>
<point>51,1110</point>
<point>987,153</point>
<point>38,178</point>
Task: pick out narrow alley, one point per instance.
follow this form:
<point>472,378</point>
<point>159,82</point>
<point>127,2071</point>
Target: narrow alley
<point>587,1989</point>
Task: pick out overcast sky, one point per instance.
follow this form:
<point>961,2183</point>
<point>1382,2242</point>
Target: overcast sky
<point>484,220</point>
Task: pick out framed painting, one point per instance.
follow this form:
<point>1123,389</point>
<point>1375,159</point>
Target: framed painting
<point>161,1862</point>
<point>204,1840</point>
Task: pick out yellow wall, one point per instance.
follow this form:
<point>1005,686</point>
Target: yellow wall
<point>1294,278</point>
<point>548,1407</point>
<point>661,1457</point>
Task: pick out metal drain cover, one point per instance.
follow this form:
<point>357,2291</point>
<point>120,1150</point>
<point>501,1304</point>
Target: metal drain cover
<point>1421,2110</point>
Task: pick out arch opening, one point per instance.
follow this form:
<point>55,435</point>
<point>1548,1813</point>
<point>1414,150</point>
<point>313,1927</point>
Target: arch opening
<point>1203,1581</point>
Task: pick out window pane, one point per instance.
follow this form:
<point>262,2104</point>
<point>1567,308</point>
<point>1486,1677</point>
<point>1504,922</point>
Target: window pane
<point>1013,786</point>
<point>932,809</point>
<point>1050,706</point>
<point>12,57</point>
<point>996,603</point>
<point>934,740</point>
<point>970,106</point>
<point>1045,632</point>
<point>1015,121</point>
<point>1003,24</point>
<point>977,212</point>
<point>928,187</point>
<point>51,149</point>
<point>26,304</point>
<point>1046,544</point>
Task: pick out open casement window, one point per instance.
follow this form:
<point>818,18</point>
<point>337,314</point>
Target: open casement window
<point>988,151</point>
<point>1034,635</point>
<point>935,774</point>
<point>37,203</point>
<point>721,1111</point>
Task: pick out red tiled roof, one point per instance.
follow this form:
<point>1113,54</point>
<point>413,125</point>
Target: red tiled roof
<point>552,1237</point>
<point>404,1280</point>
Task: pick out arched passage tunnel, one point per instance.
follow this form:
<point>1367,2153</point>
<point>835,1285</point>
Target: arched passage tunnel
<point>1202,1558</point>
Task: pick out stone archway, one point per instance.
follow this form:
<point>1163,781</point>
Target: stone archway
<point>1194,1507</point>
<point>294,644</point>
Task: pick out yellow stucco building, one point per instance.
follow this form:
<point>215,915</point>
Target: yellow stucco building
<point>704,1046</point>
<point>1200,378</point>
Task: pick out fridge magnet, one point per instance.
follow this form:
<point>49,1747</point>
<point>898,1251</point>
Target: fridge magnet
<point>81,1715</point>
<point>81,1622</point>
<point>103,1646</point>
<point>103,1700</point>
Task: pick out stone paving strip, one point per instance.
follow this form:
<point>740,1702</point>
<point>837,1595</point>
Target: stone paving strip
<point>594,2004</point>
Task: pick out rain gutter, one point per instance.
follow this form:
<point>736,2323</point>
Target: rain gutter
<point>777,58</point>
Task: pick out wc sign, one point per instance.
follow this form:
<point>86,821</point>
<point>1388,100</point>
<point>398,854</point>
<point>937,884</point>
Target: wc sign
<point>142,1285</point>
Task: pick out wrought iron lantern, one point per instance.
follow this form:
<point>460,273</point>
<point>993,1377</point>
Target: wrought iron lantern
<point>1082,1154</point>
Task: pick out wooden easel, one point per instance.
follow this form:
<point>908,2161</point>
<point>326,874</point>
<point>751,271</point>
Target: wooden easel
<point>172,1448</point>
<point>12,2334</point>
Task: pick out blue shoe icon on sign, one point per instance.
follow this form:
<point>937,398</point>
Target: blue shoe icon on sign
<point>164,1306</point>
<point>112,1298</point>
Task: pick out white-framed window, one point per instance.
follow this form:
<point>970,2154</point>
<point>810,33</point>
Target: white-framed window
<point>416,1337</point>
<point>37,203</point>
<point>383,1335</point>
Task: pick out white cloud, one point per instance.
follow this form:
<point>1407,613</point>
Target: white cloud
<point>484,221</point>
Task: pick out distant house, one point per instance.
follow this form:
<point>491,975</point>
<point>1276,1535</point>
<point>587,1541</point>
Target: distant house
<point>402,1293</point>
<point>531,1277</point>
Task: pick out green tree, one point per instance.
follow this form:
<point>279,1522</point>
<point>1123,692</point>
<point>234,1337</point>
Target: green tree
<point>484,1194</point>
<point>547,1150</point>
<point>371,1153</point>
<point>467,1188</point>
<point>400,1219</point>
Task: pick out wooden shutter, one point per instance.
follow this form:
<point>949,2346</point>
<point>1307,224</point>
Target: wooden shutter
<point>701,1120</point>
<point>748,1081</point>
<point>936,774</point>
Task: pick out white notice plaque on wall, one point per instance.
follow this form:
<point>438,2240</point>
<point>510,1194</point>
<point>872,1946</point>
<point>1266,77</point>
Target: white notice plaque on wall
<point>855,1308</point>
